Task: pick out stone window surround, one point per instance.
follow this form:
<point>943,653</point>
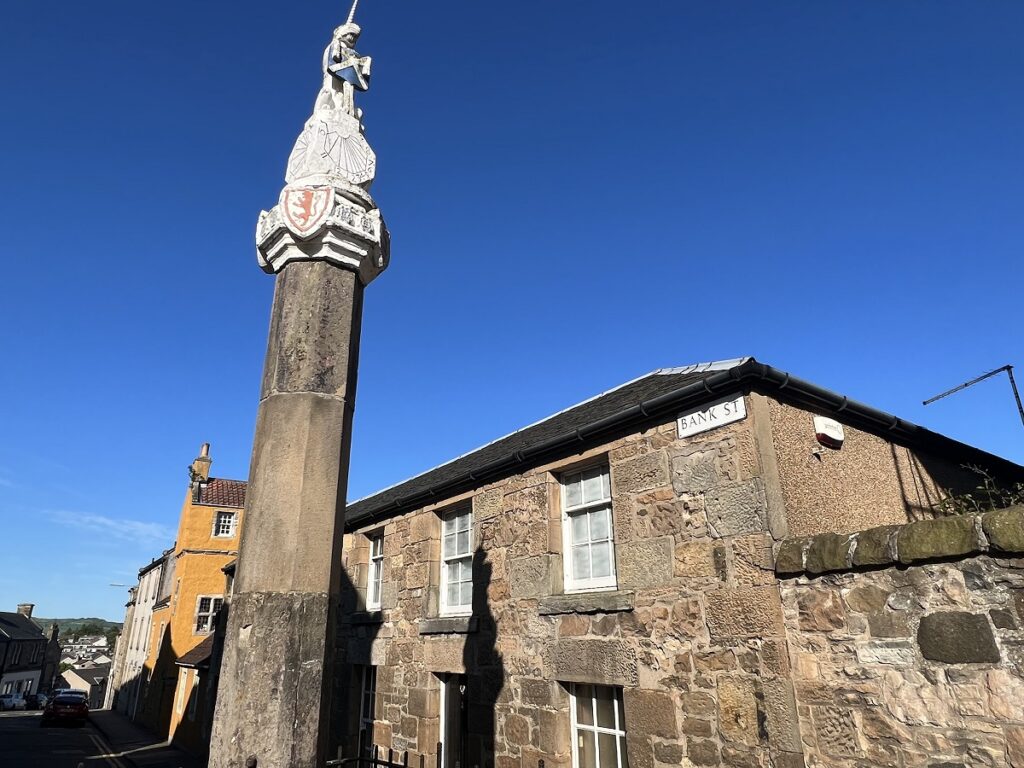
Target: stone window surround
<point>454,510</point>
<point>600,584</point>
<point>216,602</point>
<point>577,729</point>
<point>374,570</point>
<point>219,518</point>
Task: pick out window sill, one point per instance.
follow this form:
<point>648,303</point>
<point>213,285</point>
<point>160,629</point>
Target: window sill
<point>365,617</point>
<point>586,602</point>
<point>449,625</point>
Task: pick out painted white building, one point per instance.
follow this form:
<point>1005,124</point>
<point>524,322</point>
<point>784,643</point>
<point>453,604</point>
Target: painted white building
<point>128,673</point>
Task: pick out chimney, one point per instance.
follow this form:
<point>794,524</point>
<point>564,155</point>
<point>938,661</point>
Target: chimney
<point>200,471</point>
<point>54,632</point>
<point>25,609</point>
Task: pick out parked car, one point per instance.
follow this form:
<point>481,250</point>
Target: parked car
<point>36,701</point>
<point>66,708</point>
<point>9,701</point>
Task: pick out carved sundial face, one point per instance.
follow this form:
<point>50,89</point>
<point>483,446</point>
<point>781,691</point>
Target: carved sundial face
<point>332,144</point>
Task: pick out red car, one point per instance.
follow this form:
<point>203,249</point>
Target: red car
<point>67,708</point>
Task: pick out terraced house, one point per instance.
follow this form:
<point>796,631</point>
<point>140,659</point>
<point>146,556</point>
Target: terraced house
<point>601,588</point>
<point>176,697</point>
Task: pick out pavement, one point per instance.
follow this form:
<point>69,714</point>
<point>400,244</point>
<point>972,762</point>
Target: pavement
<point>26,743</point>
<point>135,747</point>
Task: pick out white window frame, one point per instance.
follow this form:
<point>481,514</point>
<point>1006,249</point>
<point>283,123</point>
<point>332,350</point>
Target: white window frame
<point>216,603</point>
<point>594,584</point>
<point>368,705</point>
<point>193,701</point>
<point>179,702</point>
<point>232,522</point>
<point>619,732</point>
<point>375,571</point>
<point>457,513</point>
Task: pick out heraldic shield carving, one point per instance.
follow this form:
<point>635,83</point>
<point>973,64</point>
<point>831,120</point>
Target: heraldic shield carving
<point>305,209</point>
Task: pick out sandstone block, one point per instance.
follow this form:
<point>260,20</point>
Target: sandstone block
<point>650,713</point>
<point>955,637</point>
<point>702,752</point>
<point>781,721</point>
<point>531,576</point>
<point>876,546</point>
<point>695,472</point>
<point>1005,529</point>
<point>422,702</point>
<point>752,561</point>
<point>488,504</point>
<point>930,539</point>
<point>423,526</point>
<point>737,710</point>
<point>819,610</point>
<point>790,557</point>
<point>736,508</point>
<point>868,598</point>
<point>517,731</point>
<point>639,753</point>
<point>1015,745</point>
<point>535,692</point>
<point>893,653</point>
<point>745,612</point>
<point>552,733</point>
<point>671,754</point>
<point>645,563</point>
<point>607,662</point>
<point>889,624</point>
<point>444,654</point>
<point>828,552</point>
<point>695,559</point>
<point>837,731</point>
<point>649,470</point>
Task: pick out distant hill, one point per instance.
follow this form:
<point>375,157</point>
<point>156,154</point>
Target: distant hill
<point>72,627</point>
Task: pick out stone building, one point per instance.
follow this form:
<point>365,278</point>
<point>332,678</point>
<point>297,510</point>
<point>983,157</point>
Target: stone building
<point>23,652</point>
<point>600,589</point>
<point>128,674</point>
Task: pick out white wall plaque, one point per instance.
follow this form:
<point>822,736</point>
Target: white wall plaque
<point>717,414</point>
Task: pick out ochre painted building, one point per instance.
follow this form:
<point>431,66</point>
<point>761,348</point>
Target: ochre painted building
<point>185,616</point>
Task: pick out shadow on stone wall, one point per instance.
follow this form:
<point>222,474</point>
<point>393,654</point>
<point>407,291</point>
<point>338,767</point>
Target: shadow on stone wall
<point>485,671</point>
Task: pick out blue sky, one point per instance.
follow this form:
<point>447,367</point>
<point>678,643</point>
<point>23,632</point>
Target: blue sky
<point>578,192</point>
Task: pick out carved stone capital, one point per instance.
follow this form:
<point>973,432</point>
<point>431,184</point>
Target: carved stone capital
<point>323,223</point>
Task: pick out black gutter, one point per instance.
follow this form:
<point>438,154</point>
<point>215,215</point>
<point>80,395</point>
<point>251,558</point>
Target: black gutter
<point>748,375</point>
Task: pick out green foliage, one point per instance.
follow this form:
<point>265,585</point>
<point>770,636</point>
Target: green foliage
<point>986,496</point>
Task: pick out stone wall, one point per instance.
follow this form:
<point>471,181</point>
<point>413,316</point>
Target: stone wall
<point>907,643</point>
<point>693,634</point>
<point>713,657</point>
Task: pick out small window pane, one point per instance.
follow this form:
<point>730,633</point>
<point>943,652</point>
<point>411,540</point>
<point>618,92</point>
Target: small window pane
<point>449,544</point>
<point>609,755</point>
<point>606,485</point>
<point>584,705</point>
<point>581,562</point>
<point>600,524</point>
<point>592,487</point>
<point>453,593</point>
<point>467,593</point>
<point>463,542</point>
<point>580,532</point>
<point>600,559</point>
<point>587,753</point>
<point>204,604</point>
<point>466,569</point>
<point>573,493</point>
<point>605,706</point>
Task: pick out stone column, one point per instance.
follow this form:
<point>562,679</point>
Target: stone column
<point>326,241</point>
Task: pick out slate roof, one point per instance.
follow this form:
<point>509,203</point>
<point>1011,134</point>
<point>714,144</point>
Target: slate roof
<point>18,627</point>
<point>198,656</point>
<point>654,398</point>
<point>654,384</point>
<point>218,492</point>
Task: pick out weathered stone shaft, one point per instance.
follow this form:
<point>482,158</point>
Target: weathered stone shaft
<point>273,702</point>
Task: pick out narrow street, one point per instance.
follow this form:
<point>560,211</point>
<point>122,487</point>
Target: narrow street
<point>24,742</point>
